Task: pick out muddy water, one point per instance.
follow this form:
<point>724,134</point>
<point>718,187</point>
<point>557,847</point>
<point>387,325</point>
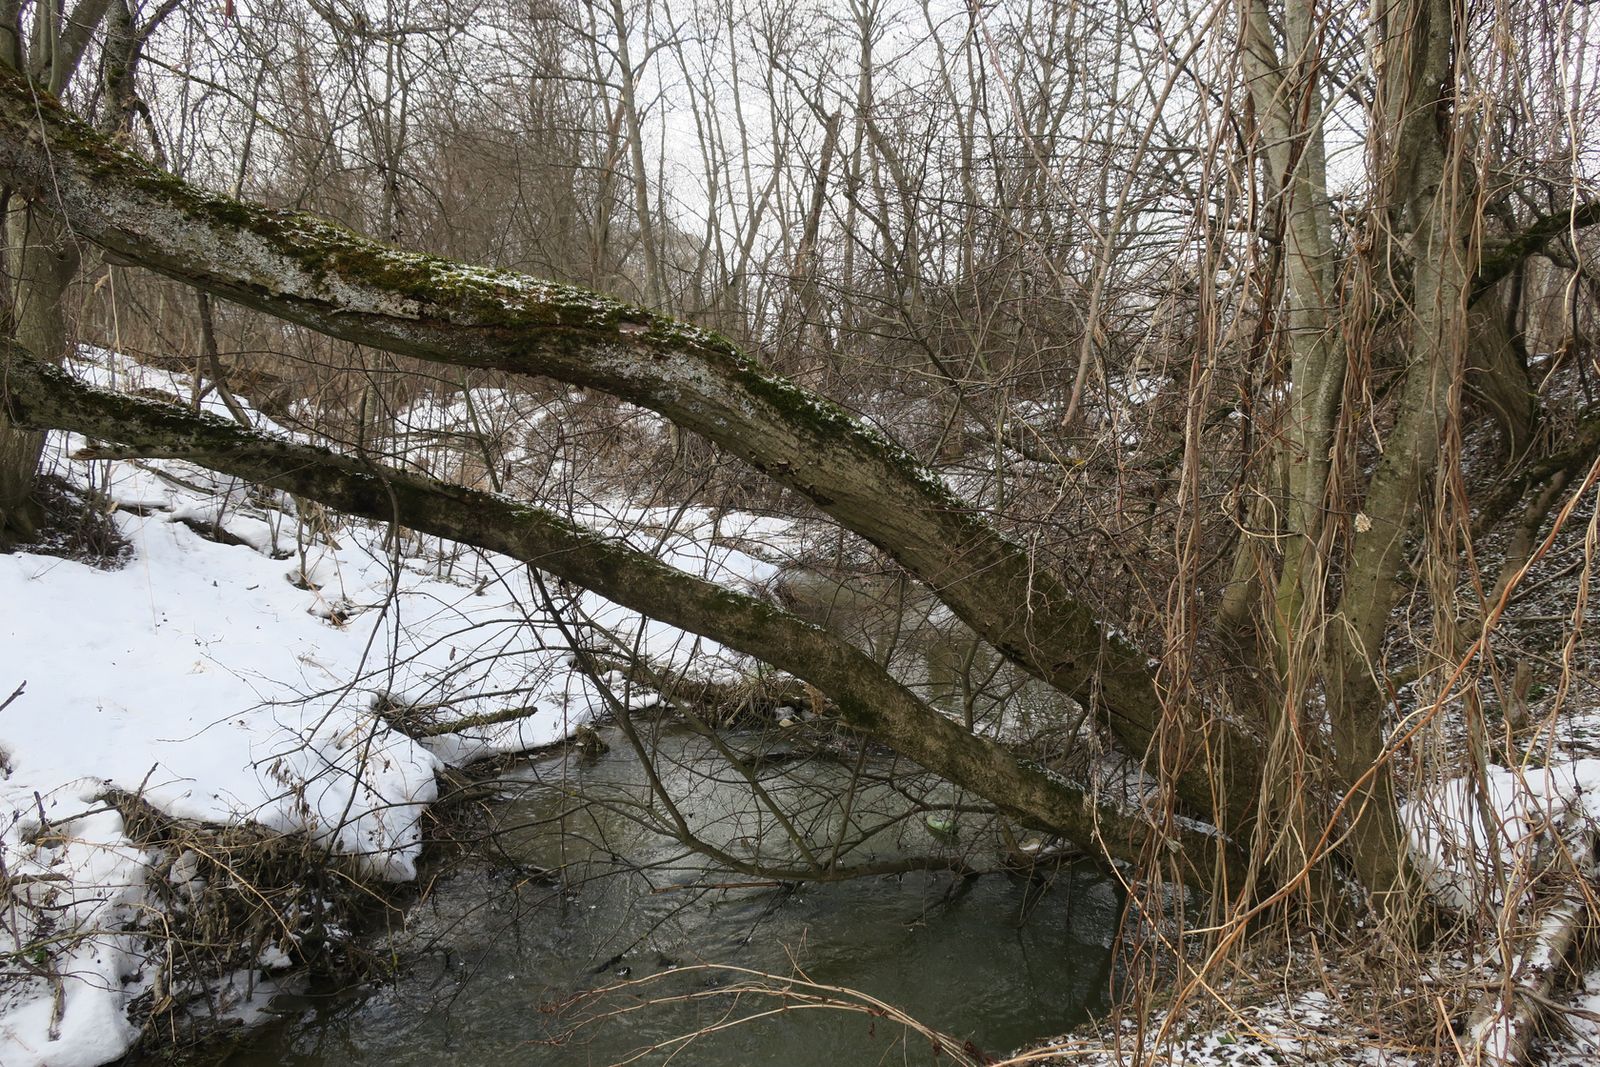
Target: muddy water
<point>494,962</point>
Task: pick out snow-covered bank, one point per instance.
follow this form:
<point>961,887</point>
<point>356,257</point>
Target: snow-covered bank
<point>237,682</point>
<point>239,670</point>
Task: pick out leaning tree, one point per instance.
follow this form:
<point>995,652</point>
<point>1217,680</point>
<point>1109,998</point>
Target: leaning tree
<point>1271,780</point>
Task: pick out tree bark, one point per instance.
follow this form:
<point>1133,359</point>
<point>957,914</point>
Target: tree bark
<point>1286,93</point>
<point>44,263</point>
<point>42,257</point>
<point>1426,199</point>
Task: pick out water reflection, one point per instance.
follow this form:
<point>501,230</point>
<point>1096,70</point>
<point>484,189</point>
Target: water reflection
<point>494,962</point>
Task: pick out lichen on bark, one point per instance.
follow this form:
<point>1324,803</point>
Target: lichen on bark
<point>307,270</point>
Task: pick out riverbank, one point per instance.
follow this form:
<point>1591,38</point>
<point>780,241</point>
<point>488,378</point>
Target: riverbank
<point>201,683</point>
<point>221,656</point>
<point>633,939</point>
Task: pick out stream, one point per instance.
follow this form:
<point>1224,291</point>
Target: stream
<point>496,957</point>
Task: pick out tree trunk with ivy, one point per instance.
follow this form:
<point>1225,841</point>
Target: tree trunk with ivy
<point>1326,601</point>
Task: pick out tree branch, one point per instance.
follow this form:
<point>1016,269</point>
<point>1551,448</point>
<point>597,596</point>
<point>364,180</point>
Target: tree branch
<point>1504,259</point>
<point>869,700</point>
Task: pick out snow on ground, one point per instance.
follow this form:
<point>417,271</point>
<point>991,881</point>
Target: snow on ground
<point>1517,835</point>
<point>1523,805</point>
<point>1460,851</point>
<point>231,682</point>
<point>1310,1028</point>
<point>73,892</point>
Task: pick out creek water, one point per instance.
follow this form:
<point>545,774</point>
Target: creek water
<point>494,962</point>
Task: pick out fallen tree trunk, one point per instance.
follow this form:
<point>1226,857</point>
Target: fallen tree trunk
<point>1554,918</point>
<point>868,699</point>
<point>717,700</point>
<point>306,270</point>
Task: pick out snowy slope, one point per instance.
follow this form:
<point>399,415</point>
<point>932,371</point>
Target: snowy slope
<point>230,682</point>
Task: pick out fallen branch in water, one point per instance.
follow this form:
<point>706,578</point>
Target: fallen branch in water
<point>774,995</point>
<point>719,701</point>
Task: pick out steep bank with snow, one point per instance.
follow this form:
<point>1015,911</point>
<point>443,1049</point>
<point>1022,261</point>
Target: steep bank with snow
<point>227,670</point>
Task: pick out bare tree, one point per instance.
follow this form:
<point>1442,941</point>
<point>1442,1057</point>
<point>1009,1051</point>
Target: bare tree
<point>1299,224</point>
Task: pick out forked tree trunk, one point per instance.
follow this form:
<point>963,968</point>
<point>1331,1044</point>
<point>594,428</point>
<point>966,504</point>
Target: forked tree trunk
<point>1322,649</point>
